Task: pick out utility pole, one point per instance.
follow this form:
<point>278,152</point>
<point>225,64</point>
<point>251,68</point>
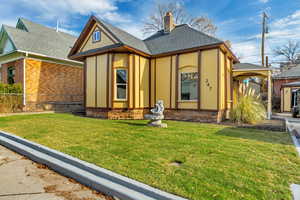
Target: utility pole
<point>264,31</point>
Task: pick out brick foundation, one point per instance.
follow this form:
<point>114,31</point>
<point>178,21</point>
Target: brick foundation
<point>181,115</point>
<point>54,106</point>
<point>116,113</point>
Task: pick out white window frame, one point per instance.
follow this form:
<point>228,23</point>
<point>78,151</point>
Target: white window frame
<point>116,84</point>
<point>179,88</point>
<point>96,33</point>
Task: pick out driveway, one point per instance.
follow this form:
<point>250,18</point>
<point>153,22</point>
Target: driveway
<point>22,179</point>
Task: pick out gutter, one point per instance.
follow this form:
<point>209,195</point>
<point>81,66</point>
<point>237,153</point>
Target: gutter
<point>42,55</point>
<point>24,79</point>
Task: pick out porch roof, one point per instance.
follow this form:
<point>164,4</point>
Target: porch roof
<point>248,70</point>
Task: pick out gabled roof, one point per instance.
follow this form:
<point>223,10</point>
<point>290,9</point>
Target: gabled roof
<point>39,39</point>
<point>294,72</point>
<point>182,37</point>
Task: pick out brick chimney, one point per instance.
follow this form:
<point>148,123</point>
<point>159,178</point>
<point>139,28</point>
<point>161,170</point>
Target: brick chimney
<point>168,22</point>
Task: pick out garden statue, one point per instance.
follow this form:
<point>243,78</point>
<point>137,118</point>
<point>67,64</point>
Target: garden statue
<point>157,115</point>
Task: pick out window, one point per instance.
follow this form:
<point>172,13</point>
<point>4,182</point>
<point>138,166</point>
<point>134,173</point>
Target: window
<point>96,36</point>
<point>189,86</point>
<point>121,84</point>
<point>11,71</point>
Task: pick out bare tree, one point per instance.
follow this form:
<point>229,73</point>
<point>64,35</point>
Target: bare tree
<point>156,20</point>
<point>289,51</point>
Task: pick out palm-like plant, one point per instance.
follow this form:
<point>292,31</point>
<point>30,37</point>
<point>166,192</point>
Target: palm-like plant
<point>249,108</point>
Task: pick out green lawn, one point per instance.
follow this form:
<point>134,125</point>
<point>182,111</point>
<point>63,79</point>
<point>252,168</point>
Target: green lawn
<point>219,162</point>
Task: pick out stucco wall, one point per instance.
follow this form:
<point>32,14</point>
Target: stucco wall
<point>159,79</point>
<point>89,44</point>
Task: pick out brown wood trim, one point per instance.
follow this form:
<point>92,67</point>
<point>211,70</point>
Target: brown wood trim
<point>128,81</point>
<point>84,83</point>
<point>96,81</point>
<point>136,51</point>
<point>176,81</point>
<point>134,84</point>
<point>155,85</point>
<point>112,80</point>
<point>225,74</point>
<point>150,83</point>
<point>218,80</point>
<point>231,84</point>
<point>199,79</point>
<point>171,74</point>
<point>107,81</point>
<point>139,81</point>
<point>96,52</point>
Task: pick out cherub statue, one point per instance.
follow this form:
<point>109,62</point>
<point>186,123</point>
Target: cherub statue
<point>159,108</point>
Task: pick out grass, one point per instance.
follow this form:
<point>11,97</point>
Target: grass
<point>218,162</point>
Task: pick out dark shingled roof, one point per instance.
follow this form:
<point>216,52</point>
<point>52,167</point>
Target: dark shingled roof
<point>181,37</point>
<point>40,39</point>
<point>241,66</point>
<point>291,73</point>
<point>126,38</point>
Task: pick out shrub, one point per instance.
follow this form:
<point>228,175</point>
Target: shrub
<point>249,108</point>
<point>10,98</point>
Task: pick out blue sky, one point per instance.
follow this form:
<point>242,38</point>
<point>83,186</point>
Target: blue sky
<point>237,20</point>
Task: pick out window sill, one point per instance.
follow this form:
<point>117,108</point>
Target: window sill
<point>187,101</point>
<point>120,100</point>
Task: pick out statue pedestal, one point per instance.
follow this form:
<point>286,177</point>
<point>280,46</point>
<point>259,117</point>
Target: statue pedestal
<point>155,120</point>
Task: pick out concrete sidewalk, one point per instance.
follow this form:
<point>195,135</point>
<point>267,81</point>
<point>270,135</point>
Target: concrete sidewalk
<point>22,179</point>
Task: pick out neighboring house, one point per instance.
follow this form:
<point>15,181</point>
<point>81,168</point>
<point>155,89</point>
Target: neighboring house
<point>125,76</point>
<point>36,57</point>
<point>285,85</point>
<point>287,76</point>
<point>289,96</point>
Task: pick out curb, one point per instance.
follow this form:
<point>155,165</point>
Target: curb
<point>95,177</point>
<point>295,188</point>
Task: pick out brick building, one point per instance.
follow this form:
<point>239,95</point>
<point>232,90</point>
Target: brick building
<point>35,56</point>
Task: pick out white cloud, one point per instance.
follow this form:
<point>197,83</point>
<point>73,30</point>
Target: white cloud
<point>263,1</point>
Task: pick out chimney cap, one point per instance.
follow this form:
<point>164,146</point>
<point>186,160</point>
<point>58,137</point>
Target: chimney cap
<point>169,13</point>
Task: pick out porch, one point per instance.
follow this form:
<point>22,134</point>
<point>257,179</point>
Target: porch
<point>244,71</point>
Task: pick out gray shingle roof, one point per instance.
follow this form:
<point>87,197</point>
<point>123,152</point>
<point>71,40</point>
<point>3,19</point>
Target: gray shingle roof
<point>41,40</point>
<point>181,37</point>
<point>291,73</point>
<point>127,38</point>
<point>241,66</point>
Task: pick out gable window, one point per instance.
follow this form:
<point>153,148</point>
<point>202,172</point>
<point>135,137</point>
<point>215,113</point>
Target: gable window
<point>96,36</point>
<point>121,84</point>
<point>189,86</point>
<point>11,72</point>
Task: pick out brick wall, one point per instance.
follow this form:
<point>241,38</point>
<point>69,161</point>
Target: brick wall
<point>50,82</point>
<point>277,83</point>
<point>18,64</point>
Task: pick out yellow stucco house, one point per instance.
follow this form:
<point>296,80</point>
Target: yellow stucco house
<point>190,71</point>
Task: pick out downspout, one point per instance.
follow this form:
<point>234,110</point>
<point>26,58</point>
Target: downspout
<point>24,79</point>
